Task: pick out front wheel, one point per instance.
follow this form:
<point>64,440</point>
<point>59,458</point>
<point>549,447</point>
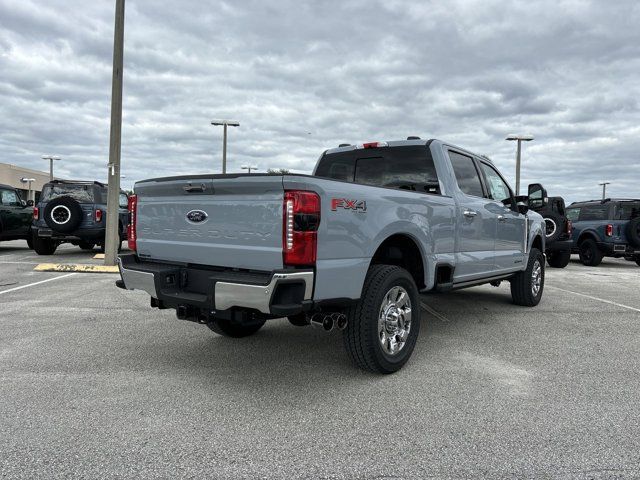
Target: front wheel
<point>527,286</point>
<point>226,328</point>
<point>559,259</point>
<point>383,327</point>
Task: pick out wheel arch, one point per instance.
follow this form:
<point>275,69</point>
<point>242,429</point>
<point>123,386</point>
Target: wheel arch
<point>402,250</point>
<point>587,234</point>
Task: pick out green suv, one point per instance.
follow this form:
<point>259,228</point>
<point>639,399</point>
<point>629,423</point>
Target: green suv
<point>15,215</point>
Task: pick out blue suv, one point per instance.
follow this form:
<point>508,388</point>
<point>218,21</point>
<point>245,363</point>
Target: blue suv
<point>74,212</point>
<point>609,227</point>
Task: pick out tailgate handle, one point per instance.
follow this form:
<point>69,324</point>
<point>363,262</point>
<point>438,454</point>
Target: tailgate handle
<point>194,188</point>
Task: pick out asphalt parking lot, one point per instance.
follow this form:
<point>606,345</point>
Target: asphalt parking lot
<point>97,384</point>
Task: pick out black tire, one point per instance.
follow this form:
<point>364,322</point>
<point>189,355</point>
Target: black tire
<point>638,261</point>
<point>44,246</point>
<point>299,320</point>
<point>88,246</point>
<point>559,259</point>
<point>30,242</point>
<point>63,214</point>
<point>590,254</point>
<point>633,231</point>
<point>523,291</point>
<point>554,226</point>
<point>227,328</point>
<point>363,338</point>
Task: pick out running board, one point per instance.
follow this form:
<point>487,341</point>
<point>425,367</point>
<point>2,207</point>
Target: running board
<point>481,281</point>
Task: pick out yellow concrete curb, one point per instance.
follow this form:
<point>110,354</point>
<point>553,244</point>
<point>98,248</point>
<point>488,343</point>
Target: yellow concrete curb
<point>99,256</point>
<point>75,267</point>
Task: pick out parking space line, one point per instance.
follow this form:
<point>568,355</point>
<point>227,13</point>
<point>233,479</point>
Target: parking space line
<point>439,316</point>
<point>595,298</point>
<point>36,283</point>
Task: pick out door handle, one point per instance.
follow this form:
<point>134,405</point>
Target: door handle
<point>501,218</point>
<point>470,213</point>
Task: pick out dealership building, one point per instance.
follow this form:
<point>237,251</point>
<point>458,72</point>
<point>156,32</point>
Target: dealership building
<point>23,178</point>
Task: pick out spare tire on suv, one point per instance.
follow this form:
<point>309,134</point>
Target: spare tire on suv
<point>633,231</point>
<point>63,214</point>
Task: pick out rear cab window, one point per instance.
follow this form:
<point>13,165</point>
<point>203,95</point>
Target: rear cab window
<point>81,193</point>
<point>406,168</point>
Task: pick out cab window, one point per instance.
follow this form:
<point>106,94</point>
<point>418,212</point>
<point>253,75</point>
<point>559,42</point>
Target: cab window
<point>498,188</point>
<point>124,200</point>
<point>9,198</point>
<point>466,174</point>
<point>573,213</point>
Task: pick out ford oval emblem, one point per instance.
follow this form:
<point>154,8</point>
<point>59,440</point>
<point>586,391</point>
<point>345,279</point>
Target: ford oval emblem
<point>197,216</point>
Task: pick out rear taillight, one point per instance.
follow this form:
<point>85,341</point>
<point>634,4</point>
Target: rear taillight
<point>36,213</point>
<point>132,206</point>
<point>98,215</point>
<point>300,227</point>
<point>608,230</point>
<point>569,227</point>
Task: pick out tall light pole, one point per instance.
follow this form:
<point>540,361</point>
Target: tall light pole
<point>51,159</point>
<point>520,139</point>
<point>249,167</point>
<point>28,180</point>
<point>112,236</point>
<point>225,124</point>
<point>604,189</point>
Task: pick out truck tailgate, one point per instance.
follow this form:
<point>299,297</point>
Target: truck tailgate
<point>218,220</point>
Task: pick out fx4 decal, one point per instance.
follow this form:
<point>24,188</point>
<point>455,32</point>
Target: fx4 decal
<point>355,205</point>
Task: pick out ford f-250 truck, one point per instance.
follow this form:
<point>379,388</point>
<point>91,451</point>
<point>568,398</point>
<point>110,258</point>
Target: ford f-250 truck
<point>350,246</point>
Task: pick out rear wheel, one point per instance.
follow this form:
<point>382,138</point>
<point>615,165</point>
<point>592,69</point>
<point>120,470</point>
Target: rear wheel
<point>30,242</point>
<point>44,246</point>
<point>227,328</point>
<point>527,286</point>
<point>638,261</point>
<point>559,259</point>
<point>382,328</point>
<point>86,245</point>
<point>590,254</point>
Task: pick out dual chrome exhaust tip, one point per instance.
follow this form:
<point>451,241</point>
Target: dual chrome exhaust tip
<point>329,321</point>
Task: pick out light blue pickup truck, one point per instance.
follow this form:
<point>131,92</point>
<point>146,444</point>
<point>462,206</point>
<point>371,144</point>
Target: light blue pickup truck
<point>348,247</point>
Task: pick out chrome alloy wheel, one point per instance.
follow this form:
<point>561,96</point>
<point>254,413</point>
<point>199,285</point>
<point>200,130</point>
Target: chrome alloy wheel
<point>60,214</point>
<point>394,320</point>
<point>536,278</point>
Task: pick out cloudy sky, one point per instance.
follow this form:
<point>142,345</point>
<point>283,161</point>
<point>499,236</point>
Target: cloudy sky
<point>303,76</point>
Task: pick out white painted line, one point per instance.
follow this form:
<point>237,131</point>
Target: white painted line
<point>596,298</point>
<point>36,283</point>
<point>21,263</point>
<point>439,316</point>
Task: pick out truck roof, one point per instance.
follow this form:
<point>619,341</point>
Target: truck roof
<point>76,182</point>
<point>2,185</point>
<point>606,200</point>
<point>410,141</point>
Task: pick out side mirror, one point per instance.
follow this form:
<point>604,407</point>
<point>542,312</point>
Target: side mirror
<point>30,203</point>
<point>23,203</point>
<point>537,196</point>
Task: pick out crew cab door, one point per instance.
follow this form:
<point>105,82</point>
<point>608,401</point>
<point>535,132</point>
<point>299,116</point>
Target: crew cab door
<point>511,225</point>
<point>476,222</point>
<point>15,219</point>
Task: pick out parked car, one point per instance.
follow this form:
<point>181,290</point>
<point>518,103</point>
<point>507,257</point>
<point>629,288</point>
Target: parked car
<point>350,246</point>
<point>15,215</point>
<point>606,228</point>
<point>73,212</point>
<point>557,231</point>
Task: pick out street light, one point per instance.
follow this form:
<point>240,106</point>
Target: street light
<point>249,167</point>
<point>28,180</point>
<point>51,158</point>
<point>604,189</point>
<point>520,139</point>
<point>225,124</point>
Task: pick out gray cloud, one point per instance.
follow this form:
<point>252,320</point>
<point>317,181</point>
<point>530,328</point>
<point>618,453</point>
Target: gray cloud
<point>469,72</point>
